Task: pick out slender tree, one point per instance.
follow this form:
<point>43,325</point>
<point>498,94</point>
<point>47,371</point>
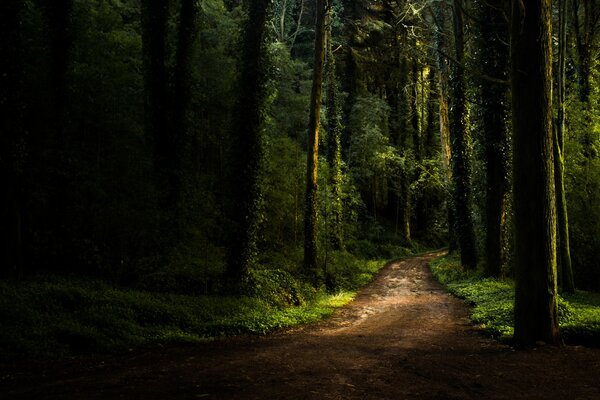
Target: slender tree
<point>493,57</point>
<point>440,18</point>
<point>567,282</point>
<point>460,148</point>
<point>536,311</point>
<point>247,148</point>
<point>181,94</point>
<point>310,212</point>
<point>334,149</point>
<point>154,31</point>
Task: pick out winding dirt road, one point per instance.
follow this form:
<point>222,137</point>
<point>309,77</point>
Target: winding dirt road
<point>403,337</point>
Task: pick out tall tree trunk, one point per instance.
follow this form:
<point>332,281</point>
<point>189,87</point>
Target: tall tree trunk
<point>154,30</point>
<point>494,63</point>
<point>583,31</point>
<point>181,95</point>
<point>11,138</point>
<point>430,124</point>
<point>461,170</point>
<point>568,284</point>
<point>439,16</point>
<point>312,165</point>
<point>334,151</point>
<point>536,311</point>
<point>247,147</point>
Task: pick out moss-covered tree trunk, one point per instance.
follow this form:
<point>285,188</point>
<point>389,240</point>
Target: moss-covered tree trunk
<point>440,17</point>
<point>247,144</point>
<point>536,312</point>
<point>493,56</point>
<point>567,282</point>
<point>312,164</point>
<point>334,149</point>
<point>461,153</point>
<point>11,137</point>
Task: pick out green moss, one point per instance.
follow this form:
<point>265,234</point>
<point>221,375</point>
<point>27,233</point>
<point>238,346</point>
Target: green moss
<point>492,302</point>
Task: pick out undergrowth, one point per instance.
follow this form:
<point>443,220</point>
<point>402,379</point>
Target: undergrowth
<point>53,317</point>
<point>492,302</point>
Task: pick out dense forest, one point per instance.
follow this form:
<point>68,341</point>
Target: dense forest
<point>228,147</point>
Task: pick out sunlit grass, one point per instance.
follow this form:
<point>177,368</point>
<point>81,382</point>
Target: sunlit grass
<point>51,316</point>
<point>492,302</point>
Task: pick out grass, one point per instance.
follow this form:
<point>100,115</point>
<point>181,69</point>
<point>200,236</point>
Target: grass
<point>492,302</point>
<point>54,317</point>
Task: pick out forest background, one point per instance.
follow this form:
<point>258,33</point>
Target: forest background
<point>132,133</point>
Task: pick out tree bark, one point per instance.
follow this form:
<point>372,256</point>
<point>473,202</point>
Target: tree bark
<point>181,90</point>
<point>568,284</point>
<point>494,63</point>
<point>247,147</point>
<point>154,30</point>
<point>440,17</point>
<point>461,154</point>
<point>536,312</point>
<point>334,150</point>
<point>312,165</point>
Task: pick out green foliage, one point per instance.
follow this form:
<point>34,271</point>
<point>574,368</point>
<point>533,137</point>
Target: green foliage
<point>53,317</point>
<point>493,301</point>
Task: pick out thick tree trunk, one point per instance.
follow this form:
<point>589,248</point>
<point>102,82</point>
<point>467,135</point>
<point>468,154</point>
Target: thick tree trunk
<point>11,138</point>
<point>494,63</point>
<point>536,312</point>
<point>567,282</point>
<point>312,165</point>
<point>461,171</point>
<point>247,147</point>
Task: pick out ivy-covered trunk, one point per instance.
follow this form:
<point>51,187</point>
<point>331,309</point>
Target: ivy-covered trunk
<point>536,311</point>
<point>312,164</point>
<point>247,147</point>
<point>493,56</point>
<point>461,153</point>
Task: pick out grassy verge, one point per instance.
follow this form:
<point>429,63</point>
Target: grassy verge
<point>49,316</point>
<point>492,303</point>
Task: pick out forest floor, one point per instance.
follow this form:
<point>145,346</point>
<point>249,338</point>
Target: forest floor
<point>403,336</point>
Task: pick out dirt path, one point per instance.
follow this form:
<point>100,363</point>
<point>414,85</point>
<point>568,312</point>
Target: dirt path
<point>403,337</point>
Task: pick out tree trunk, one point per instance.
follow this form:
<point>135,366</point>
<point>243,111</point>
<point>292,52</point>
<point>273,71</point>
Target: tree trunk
<point>11,137</point>
<point>334,151</point>
<point>154,30</point>
<point>568,285</point>
<point>583,31</point>
<point>494,63</point>
<point>440,17</point>
<point>536,312</point>
<point>181,91</point>
<point>461,171</point>
<point>247,145</point>
<point>310,212</point>
<point>429,145</point>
